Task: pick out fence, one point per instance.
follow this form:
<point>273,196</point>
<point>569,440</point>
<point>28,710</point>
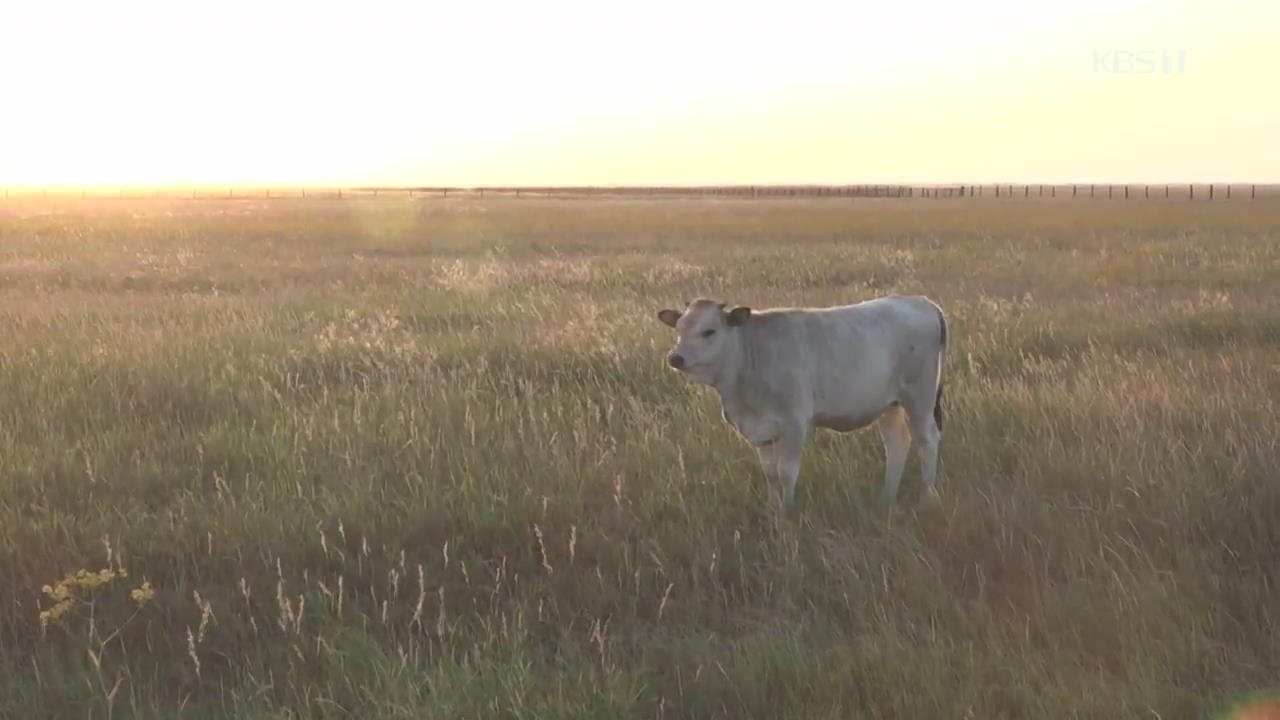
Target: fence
<point>1188,191</point>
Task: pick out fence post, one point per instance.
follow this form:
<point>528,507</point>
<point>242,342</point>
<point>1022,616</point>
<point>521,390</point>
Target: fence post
<point>1210,191</point>
<point>1228,191</point>
<point>1126,191</point>
<point>1026,191</point>
<point>1091,190</point>
<point>1166,191</point>
<point>1073,190</point>
<point>1053,191</point>
<point>1146,192</point>
<point>1253,192</point>
<point>1110,191</point>
<point>1191,190</point>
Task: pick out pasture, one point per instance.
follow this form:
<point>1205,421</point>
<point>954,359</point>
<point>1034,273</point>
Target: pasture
<point>423,459</point>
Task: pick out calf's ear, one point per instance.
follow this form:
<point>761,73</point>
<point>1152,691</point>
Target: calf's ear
<point>738,315</point>
<point>668,317</point>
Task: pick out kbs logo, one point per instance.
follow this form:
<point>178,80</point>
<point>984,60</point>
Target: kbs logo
<point>1139,62</point>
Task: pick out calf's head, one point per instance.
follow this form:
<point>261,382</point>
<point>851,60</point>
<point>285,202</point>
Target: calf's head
<point>707,342</point>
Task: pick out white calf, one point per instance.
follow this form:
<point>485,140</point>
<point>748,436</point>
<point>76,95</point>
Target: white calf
<point>780,373</point>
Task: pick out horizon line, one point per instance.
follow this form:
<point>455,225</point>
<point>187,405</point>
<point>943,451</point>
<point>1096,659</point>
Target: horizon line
<point>62,188</point>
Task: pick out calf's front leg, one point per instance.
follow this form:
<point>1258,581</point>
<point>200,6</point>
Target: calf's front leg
<point>780,461</point>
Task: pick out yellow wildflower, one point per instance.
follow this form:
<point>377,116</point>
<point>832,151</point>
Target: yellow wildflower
<point>54,613</point>
<point>63,593</point>
<point>143,593</point>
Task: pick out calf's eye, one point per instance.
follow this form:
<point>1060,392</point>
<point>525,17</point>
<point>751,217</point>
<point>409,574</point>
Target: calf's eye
<point>708,333</point>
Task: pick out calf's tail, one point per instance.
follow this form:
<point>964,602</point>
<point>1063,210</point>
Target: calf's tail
<point>942,351</point>
<point>937,408</point>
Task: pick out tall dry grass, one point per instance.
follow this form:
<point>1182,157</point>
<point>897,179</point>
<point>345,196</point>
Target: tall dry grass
<point>422,459</point>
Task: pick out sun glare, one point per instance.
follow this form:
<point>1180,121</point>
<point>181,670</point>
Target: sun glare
<point>155,94</point>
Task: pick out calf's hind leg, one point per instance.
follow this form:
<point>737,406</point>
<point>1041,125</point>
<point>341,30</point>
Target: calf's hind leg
<point>925,430</point>
<point>897,440</point>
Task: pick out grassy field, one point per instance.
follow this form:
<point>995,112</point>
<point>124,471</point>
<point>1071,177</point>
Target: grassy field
<point>422,459</point>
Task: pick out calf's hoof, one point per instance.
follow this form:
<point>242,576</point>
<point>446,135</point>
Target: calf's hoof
<point>930,500</point>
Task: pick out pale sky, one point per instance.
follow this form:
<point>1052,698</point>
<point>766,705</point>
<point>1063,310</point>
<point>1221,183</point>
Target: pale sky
<point>240,92</point>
